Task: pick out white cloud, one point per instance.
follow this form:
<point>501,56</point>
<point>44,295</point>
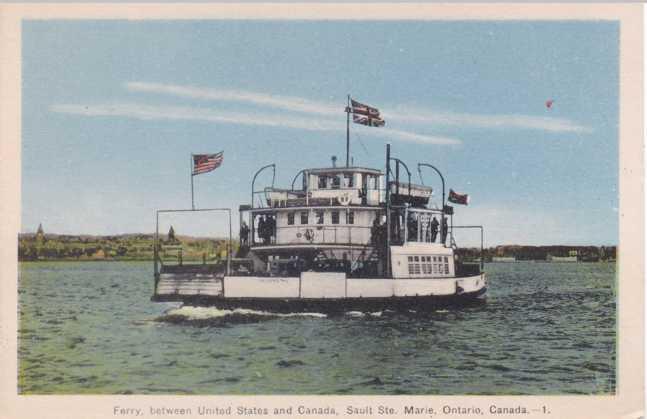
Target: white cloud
<point>149,112</point>
<point>413,137</point>
<point>512,121</point>
<point>288,103</point>
<point>153,112</point>
<point>414,115</point>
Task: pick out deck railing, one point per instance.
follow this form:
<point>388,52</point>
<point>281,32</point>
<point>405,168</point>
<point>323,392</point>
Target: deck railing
<point>157,260</point>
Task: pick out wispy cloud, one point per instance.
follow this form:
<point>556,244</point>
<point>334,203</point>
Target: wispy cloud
<point>288,103</point>
<point>152,112</point>
<point>308,115</point>
<point>410,115</point>
<point>511,121</point>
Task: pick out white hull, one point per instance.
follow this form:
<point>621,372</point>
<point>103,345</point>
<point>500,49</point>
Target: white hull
<point>314,285</point>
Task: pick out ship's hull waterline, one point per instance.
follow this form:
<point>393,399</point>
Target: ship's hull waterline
<point>473,293</point>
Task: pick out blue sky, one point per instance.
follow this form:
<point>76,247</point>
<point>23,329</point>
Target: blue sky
<point>113,109</point>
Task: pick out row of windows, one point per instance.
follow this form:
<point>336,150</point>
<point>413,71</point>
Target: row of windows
<point>335,182</point>
<point>428,265</point>
<point>319,217</point>
<point>428,259</point>
<point>345,181</point>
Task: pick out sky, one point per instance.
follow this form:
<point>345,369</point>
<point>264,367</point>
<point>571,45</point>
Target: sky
<point>112,111</point>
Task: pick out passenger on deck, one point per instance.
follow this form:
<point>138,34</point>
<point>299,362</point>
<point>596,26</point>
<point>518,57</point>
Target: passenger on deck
<point>262,229</point>
<point>244,234</point>
<point>434,229</point>
<point>271,227</point>
<point>377,232</point>
<point>374,230</point>
<point>443,232</point>
<point>412,228</point>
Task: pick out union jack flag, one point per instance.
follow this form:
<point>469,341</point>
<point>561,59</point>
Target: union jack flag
<point>360,108</point>
<point>366,120</point>
<point>203,163</point>
<point>365,115</point>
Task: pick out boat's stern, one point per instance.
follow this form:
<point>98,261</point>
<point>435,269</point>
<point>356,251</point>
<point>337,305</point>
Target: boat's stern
<point>475,285</point>
<point>179,283</point>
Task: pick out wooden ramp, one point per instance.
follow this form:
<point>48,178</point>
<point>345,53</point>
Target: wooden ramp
<point>175,286</point>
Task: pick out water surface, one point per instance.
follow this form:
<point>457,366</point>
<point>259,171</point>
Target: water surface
<point>90,328</point>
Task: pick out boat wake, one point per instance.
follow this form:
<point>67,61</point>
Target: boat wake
<point>213,316</point>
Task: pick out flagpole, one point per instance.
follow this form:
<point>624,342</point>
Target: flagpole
<point>191,171</point>
<point>347,130</point>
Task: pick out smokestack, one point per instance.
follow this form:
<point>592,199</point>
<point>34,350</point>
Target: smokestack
<point>334,161</point>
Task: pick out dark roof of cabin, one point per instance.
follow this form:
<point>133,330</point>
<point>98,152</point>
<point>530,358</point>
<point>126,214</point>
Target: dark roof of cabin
<point>343,169</point>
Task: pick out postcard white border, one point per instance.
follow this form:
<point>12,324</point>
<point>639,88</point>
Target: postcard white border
<point>627,403</point>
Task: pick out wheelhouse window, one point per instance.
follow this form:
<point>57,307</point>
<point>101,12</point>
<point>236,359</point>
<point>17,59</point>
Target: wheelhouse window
<point>304,217</point>
<point>348,181</point>
<point>335,217</point>
<point>350,217</point>
<point>335,182</point>
<point>320,217</point>
<point>290,218</point>
<point>371,183</point>
<point>322,182</point>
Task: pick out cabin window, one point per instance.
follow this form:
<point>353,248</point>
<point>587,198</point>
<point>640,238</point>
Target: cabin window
<point>350,217</point>
<point>304,217</point>
<point>322,182</point>
<point>335,217</point>
<point>290,218</point>
<point>426,268</point>
<point>320,217</point>
<point>335,182</point>
<point>348,181</point>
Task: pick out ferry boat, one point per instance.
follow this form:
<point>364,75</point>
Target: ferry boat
<point>345,239</point>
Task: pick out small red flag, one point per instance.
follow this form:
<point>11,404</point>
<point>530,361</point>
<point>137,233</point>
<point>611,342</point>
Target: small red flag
<point>458,198</point>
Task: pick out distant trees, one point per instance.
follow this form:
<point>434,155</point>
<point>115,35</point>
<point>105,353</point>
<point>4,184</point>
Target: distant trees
<point>128,247</point>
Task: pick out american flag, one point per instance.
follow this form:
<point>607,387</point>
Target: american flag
<point>203,163</point>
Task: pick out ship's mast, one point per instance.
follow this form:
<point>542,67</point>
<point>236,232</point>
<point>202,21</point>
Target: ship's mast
<point>347,131</point>
<point>388,211</point>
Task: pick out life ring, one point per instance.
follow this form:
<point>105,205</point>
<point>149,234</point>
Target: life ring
<point>344,199</point>
<point>309,235</point>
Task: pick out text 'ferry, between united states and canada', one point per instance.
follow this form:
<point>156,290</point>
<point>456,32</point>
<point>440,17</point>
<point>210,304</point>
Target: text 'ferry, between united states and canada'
<point>345,239</point>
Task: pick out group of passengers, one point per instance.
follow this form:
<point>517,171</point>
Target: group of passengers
<point>266,230</point>
<point>428,231</point>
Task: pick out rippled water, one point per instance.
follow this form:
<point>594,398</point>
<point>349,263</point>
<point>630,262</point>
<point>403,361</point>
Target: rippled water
<point>89,327</point>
